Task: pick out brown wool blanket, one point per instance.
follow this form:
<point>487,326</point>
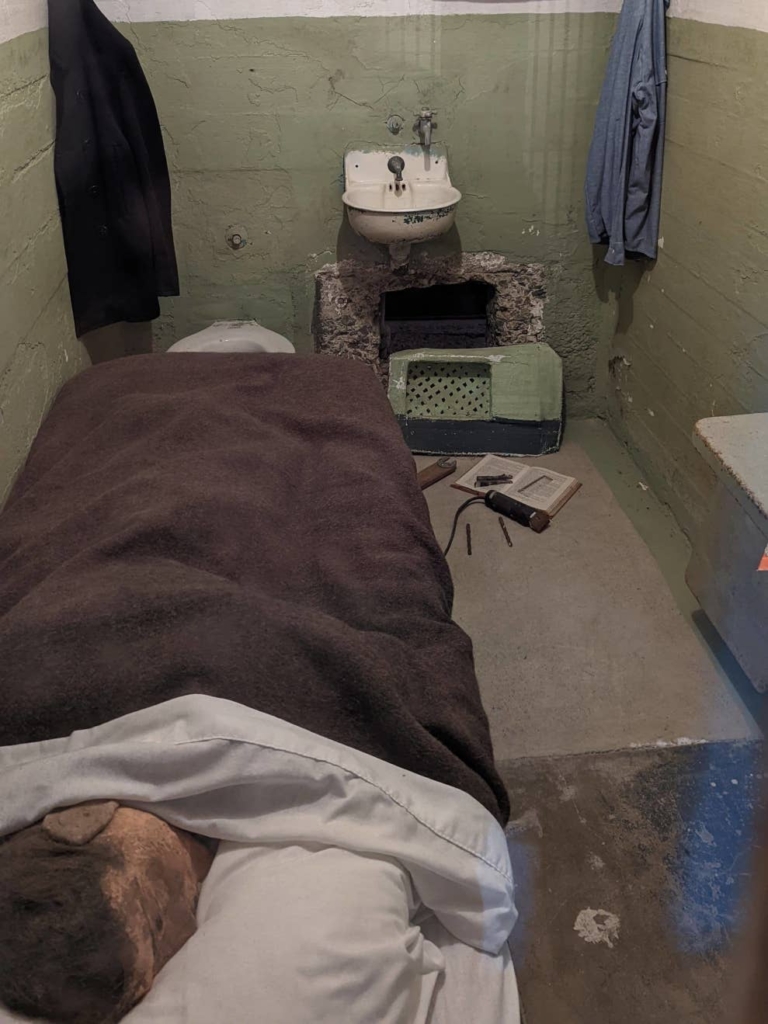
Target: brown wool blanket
<point>244,526</point>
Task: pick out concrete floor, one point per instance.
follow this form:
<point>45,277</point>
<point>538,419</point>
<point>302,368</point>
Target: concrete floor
<point>580,644</point>
<point>627,736</point>
<point>631,869</point>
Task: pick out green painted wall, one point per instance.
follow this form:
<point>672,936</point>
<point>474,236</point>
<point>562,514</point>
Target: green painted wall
<point>38,350</point>
<point>257,115</point>
<point>692,340</point>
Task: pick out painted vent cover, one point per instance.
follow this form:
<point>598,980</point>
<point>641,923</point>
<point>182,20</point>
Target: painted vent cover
<point>502,399</point>
<point>454,391</point>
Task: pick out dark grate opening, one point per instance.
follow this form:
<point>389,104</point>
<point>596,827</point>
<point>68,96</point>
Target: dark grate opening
<point>443,316</point>
<point>454,391</point>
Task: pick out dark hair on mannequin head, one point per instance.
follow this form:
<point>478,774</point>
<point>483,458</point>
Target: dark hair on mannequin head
<point>64,953</point>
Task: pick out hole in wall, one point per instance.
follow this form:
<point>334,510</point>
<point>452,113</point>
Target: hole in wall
<point>369,311</point>
<point>440,316</point>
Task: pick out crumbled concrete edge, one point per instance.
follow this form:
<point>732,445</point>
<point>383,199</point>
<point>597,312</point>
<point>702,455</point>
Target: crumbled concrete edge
<point>348,298</point>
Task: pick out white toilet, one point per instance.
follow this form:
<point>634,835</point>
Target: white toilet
<point>234,336</point>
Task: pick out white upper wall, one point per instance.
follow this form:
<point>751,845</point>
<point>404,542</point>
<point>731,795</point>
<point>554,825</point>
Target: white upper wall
<point>201,10</point>
<point>20,16</point>
<point>741,13</point>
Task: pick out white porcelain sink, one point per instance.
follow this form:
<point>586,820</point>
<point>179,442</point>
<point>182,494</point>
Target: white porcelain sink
<point>381,210</point>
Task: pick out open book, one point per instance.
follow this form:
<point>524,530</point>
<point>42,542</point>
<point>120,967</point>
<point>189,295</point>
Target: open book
<point>534,485</point>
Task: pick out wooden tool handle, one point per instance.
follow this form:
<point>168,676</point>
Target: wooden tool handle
<point>431,474</point>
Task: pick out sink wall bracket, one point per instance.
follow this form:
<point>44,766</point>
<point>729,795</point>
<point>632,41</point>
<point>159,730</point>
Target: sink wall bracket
<point>399,254</point>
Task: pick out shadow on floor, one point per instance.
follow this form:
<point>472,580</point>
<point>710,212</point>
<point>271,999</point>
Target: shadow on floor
<point>631,869</point>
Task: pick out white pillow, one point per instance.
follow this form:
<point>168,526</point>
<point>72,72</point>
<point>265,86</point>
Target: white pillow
<point>299,935</point>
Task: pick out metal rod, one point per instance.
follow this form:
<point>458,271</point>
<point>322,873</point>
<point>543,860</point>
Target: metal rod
<point>469,540</point>
<point>503,526</point>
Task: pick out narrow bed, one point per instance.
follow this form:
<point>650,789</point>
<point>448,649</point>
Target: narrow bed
<point>221,599</point>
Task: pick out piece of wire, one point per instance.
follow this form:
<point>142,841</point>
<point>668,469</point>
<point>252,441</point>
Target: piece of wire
<point>459,510</point>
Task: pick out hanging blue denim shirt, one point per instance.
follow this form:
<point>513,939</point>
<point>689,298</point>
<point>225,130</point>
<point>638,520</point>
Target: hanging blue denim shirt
<point>624,170</point>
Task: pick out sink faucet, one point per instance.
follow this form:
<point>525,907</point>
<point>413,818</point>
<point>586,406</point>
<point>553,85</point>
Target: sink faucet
<point>424,125</point>
<point>396,165</point>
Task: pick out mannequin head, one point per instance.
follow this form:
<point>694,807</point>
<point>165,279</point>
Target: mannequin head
<point>94,901</point>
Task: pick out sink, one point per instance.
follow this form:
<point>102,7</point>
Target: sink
<point>423,209</point>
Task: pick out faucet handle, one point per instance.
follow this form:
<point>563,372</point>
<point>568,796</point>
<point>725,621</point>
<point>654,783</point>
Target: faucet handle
<point>396,165</point>
<point>424,115</point>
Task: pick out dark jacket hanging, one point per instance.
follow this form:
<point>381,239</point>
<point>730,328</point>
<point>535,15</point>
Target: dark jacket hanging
<point>111,172</point>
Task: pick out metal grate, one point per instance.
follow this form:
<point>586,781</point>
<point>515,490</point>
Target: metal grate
<point>448,390</point>
<point>401,335</point>
<point>438,316</point>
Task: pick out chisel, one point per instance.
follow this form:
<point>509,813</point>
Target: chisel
<point>431,474</point>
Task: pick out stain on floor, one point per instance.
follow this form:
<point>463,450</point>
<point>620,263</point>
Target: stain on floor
<point>631,870</point>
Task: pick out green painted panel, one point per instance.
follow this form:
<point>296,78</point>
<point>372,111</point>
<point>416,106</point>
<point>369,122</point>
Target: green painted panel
<point>527,385</point>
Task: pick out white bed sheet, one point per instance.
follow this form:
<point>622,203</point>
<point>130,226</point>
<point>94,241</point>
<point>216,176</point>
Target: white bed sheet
<point>472,988</point>
<point>273,919</point>
<point>475,987</point>
<point>300,934</point>
<point>223,770</point>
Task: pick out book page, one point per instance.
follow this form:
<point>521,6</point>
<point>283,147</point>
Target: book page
<point>540,488</point>
<point>497,465</point>
<point>491,465</point>
<point>534,485</point>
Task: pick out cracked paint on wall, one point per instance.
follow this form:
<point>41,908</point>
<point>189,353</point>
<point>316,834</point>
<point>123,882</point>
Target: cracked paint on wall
<point>38,349</point>
<point>692,340</point>
<point>257,115</point>
<point>257,112</point>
